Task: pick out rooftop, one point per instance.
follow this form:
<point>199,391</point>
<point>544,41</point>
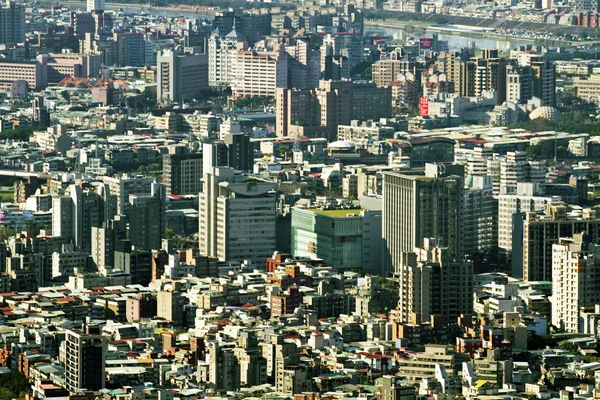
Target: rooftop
<point>336,213</point>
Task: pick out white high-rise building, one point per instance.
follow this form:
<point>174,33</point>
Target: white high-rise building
<point>237,216</point>
<point>222,55</point>
<point>527,198</point>
<point>575,277</point>
<point>95,5</point>
<point>121,187</point>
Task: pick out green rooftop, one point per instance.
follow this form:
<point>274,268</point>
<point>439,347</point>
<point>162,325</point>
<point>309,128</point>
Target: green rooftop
<point>335,213</point>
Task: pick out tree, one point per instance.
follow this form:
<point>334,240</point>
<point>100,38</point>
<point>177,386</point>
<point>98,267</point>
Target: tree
<point>13,384</point>
<point>283,150</point>
<point>545,151</point>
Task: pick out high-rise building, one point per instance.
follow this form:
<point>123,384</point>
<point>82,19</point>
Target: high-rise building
<point>181,77</point>
<point>95,5</point>
<point>511,208</point>
<point>85,358</point>
<point>433,284</point>
<point>130,49</point>
<point>304,66</point>
<point>480,211</point>
<point>222,52</point>
<point>575,284</point>
<point>224,369</point>
<point>147,218</point>
<point>519,83</point>
<point>341,238</point>
<point>182,171</point>
<point>384,72</point>
<point>416,207</point>
<point>170,302</point>
<point>544,83</point>
<point>12,22</point>
<point>259,73</point>
<point>515,169</point>
<point>237,216</point>
<point>74,214</point>
<point>121,187</point>
<point>542,230</point>
<point>240,151</point>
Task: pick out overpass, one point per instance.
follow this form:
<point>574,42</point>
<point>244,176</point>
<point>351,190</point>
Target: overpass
<point>22,174</point>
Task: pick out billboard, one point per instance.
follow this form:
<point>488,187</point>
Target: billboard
<point>426,43</point>
<point>424,106</point>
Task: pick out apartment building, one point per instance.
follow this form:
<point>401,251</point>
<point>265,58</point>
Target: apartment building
<point>222,54</point>
<point>12,22</point>
<point>575,280</point>
<point>319,112</point>
<point>542,230</point>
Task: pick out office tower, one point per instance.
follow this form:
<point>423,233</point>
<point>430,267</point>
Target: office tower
<point>480,211</point>
<point>122,186</point>
<point>542,230</point>
<point>240,151</point>
<point>181,77</point>
<point>433,284</point>
<point>12,22</point>
<point>236,216</point>
<point>222,55</point>
<point>85,357</point>
<point>511,208</point>
<point>137,263</point>
<point>341,238</point>
<point>95,5</point>
<point>319,112</point>
<point>416,207</point>
<point>575,271</point>
<point>182,171</point>
<point>334,67</point>
<point>259,73</point>
<point>519,83</point>
<point>147,218</point>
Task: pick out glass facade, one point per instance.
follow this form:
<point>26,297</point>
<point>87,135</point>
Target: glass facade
<point>332,235</point>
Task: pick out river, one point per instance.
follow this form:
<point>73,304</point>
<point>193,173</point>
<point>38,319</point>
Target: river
<point>455,40</point>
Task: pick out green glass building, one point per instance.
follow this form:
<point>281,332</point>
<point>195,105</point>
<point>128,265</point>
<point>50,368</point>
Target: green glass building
<point>344,239</point>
